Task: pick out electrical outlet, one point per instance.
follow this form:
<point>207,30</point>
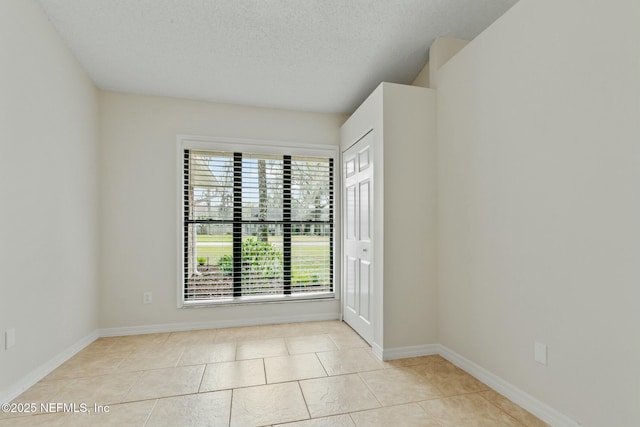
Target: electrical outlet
<point>147,297</point>
<point>540,353</point>
<point>9,338</point>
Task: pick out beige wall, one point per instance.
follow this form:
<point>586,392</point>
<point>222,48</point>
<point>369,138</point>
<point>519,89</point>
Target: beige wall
<point>539,204</point>
<point>422,79</point>
<point>138,202</point>
<point>48,184</point>
<point>441,51</point>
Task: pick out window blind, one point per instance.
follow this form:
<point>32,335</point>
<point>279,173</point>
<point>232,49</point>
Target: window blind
<point>256,226</point>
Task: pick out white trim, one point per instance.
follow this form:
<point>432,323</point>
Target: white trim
<point>215,324</point>
<point>377,350</point>
<point>257,146</point>
<point>410,351</point>
<point>263,299</point>
<point>28,380</point>
<point>180,223</point>
<point>511,392</point>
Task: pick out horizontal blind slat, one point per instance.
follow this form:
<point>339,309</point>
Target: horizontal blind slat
<point>208,210</point>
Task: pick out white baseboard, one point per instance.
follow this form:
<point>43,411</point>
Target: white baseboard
<point>17,388</point>
<point>511,392</point>
<point>176,327</point>
<point>377,351</point>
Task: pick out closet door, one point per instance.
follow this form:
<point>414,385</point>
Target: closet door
<point>357,163</point>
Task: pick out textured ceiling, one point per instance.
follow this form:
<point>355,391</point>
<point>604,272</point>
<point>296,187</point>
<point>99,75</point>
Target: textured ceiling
<point>313,55</point>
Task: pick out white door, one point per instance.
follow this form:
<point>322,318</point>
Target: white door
<point>357,163</point>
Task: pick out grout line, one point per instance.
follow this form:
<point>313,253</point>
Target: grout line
<point>496,406</point>
<point>304,399</point>
<point>146,421</point>
<point>184,348</point>
<point>369,388</point>
<point>204,371</point>
<point>162,397</point>
<point>286,345</point>
<point>124,396</point>
<point>321,364</point>
<point>230,407</point>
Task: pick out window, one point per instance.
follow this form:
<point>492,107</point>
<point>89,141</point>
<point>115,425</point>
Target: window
<point>256,225</point>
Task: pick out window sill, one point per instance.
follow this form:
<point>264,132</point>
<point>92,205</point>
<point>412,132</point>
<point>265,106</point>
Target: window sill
<point>262,299</point>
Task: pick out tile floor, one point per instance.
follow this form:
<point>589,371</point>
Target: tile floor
<point>302,374</point>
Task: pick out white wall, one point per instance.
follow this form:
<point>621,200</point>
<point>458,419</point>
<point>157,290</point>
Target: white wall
<point>48,184</point>
<point>539,204</point>
<point>402,121</point>
<point>138,202</point>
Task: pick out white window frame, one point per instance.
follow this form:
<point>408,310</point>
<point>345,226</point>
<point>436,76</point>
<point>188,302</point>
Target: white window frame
<point>256,146</point>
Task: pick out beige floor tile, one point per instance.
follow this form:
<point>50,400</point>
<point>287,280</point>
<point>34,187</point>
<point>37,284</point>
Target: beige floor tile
<point>310,344</point>
<point>409,415</point>
<point>297,330</point>
<point>145,359</point>
<point>412,361</point>
<point>337,395</point>
<point>328,326</point>
<point>355,392</point>
<point>469,410</point>
<point>85,365</point>
<point>133,342</point>
<point>40,420</point>
<point>261,348</point>
<point>345,340</point>
<point>211,353</point>
<point>333,421</point>
<point>268,404</point>
<point>166,382</point>
<point>448,378</point>
<point>101,345</point>
<point>349,361</point>
<point>318,328</point>
<point>275,331</point>
<point>520,414</point>
<point>194,410</point>
<point>133,414</point>
<point>186,338</point>
<point>291,368</point>
<point>435,364</point>
<point>399,385</point>
<point>102,390</point>
<point>226,375</point>
<point>41,392</point>
<point>285,330</point>
<point>246,333</point>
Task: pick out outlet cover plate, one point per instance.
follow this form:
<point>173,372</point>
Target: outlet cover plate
<point>9,338</point>
<point>540,353</point>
